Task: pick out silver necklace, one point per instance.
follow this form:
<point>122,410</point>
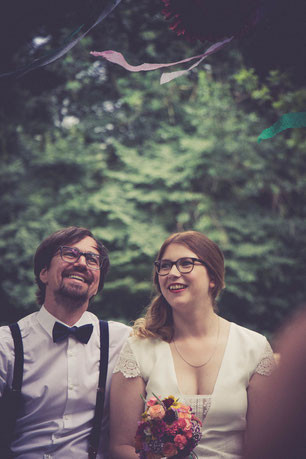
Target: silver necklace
<point>209,358</point>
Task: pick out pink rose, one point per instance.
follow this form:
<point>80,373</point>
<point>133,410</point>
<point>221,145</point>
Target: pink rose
<point>169,450</point>
<point>180,441</point>
<point>152,401</point>
<point>156,412</point>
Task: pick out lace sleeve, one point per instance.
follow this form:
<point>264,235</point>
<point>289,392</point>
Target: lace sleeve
<point>127,363</point>
<point>267,362</point>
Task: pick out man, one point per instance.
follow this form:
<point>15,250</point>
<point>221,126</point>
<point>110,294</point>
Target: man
<point>60,377</point>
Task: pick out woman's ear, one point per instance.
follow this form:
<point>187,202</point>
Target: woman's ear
<point>212,284</point>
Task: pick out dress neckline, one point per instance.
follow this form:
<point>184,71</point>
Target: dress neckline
<point>219,371</point>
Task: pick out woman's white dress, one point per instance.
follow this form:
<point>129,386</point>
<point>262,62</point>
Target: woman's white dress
<point>223,412</point>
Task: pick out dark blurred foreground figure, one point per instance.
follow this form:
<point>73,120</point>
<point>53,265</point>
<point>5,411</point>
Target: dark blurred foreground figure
<point>63,352</point>
<point>278,429</point>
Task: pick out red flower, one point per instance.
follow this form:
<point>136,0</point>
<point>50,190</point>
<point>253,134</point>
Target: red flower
<point>180,441</point>
<point>172,428</point>
<point>184,424</point>
<point>158,428</point>
<point>211,19</point>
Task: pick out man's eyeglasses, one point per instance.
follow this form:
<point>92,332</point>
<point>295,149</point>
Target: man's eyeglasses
<point>72,254</point>
<point>184,265</point>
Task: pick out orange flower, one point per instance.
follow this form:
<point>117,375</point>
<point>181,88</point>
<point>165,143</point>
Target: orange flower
<point>184,415</point>
<point>184,408</point>
<point>156,412</point>
<point>184,423</point>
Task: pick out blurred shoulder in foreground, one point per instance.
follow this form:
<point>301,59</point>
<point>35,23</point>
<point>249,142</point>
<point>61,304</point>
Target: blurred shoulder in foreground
<point>277,430</point>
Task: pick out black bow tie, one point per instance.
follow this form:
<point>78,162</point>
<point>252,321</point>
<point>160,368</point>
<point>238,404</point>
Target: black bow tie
<point>61,332</point>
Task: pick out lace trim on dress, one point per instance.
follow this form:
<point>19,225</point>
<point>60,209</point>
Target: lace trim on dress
<point>199,404</point>
<point>267,363</point>
<point>127,363</point>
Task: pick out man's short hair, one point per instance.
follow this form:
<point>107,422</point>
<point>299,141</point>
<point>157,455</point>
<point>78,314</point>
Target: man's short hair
<point>48,248</point>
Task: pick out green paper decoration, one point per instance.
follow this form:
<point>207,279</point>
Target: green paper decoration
<point>287,121</point>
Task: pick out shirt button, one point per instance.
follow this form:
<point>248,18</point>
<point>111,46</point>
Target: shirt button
<point>71,387</point>
<point>66,417</point>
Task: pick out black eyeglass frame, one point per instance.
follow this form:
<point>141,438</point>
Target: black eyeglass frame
<point>79,254</point>
<point>176,263</point>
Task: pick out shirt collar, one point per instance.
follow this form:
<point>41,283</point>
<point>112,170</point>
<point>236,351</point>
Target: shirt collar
<point>47,320</point>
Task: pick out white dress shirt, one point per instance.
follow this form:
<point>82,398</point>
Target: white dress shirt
<point>59,387</point>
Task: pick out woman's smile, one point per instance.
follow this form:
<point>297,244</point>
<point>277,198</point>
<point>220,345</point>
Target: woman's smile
<point>177,288</point>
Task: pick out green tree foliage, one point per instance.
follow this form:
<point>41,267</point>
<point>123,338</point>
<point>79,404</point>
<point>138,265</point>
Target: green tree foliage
<point>87,144</point>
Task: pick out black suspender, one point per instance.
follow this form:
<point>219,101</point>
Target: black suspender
<point>18,365</point>
<point>11,398</point>
<point>96,430</point>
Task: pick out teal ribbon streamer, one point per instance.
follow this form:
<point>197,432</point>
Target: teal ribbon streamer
<point>287,121</point>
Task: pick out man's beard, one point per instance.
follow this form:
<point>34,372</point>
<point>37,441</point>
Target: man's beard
<point>72,298</point>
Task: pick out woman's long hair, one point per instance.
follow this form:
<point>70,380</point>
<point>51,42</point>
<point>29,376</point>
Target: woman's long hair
<point>158,320</point>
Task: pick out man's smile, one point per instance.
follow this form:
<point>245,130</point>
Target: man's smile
<point>76,277</point>
<point>80,276</point>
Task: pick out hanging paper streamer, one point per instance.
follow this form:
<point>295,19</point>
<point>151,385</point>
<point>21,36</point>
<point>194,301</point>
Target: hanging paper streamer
<point>117,58</point>
<point>166,77</point>
<point>287,121</point>
<point>69,43</point>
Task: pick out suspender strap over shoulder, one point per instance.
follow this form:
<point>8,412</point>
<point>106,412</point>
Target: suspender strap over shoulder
<point>104,352</point>
<point>11,399</point>
<point>19,358</point>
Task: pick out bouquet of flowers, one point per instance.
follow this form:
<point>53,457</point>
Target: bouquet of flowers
<point>168,429</point>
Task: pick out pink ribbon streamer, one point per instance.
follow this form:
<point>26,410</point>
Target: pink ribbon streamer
<point>117,58</point>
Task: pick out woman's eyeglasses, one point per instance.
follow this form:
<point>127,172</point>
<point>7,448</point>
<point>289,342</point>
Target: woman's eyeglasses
<point>184,265</point>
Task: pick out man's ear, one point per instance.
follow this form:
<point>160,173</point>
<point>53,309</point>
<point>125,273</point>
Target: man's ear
<point>43,276</point>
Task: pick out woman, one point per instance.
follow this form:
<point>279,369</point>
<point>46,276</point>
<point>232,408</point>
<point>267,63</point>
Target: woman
<point>183,348</point>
